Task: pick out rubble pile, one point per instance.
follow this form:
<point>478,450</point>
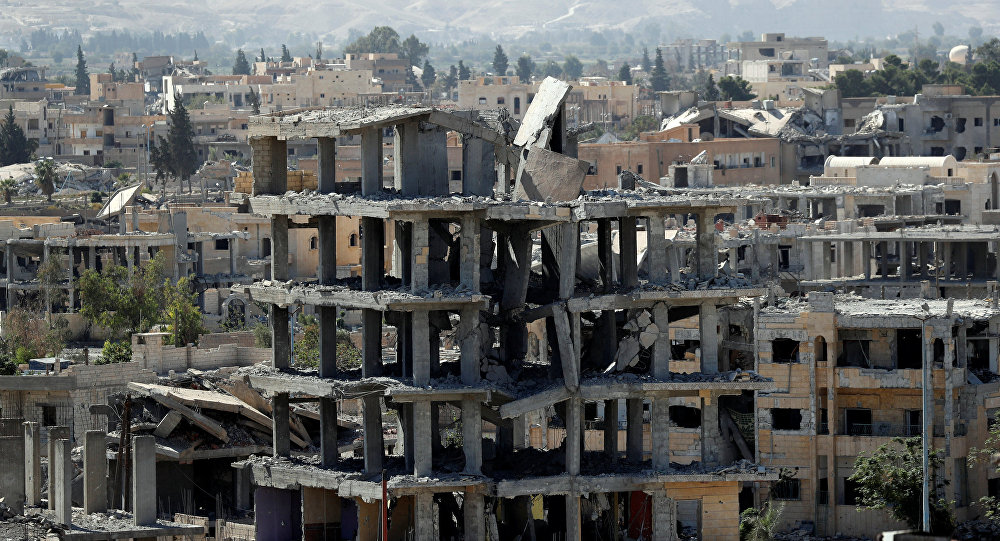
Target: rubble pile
<point>32,526</point>
<point>642,334</point>
<point>974,530</point>
<point>810,535</point>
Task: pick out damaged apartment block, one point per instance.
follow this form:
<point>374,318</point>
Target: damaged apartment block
<point>533,388</point>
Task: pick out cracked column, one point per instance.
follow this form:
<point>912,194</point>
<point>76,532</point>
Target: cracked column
<point>95,472</point>
<point>473,514</point>
<point>61,473</point>
<point>329,450</point>
<point>469,344</point>
<point>371,409</point>
<point>574,434</point>
<point>611,429</point>
<point>708,331</point>
<point>711,434</point>
<point>706,254</point>
<point>656,251</point>
<point>633,430</point>
<point>270,165</point>
<point>279,426</point>
<point>422,438</point>
<point>371,161</point>
<point>659,416</point>
<point>144,480</point>
<point>472,435</point>
<point>664,517</point>
<point>470,251</point>
<point>55,434</point>
<point>32,464</point>
<point>424,517</point>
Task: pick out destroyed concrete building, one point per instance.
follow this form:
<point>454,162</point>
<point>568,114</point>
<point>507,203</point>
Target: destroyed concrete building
<point>529,341</point>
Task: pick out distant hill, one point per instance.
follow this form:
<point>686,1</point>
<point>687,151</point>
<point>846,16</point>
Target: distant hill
<point>442,20</point>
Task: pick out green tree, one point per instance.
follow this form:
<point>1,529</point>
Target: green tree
<point>307,348</point>
<point>428,76</point>
<point>625,73</point>
<point>572,67</point>
<point>761,524</point>
<point>241,66</point>
<point>82,77</point>
<point>122,302</point>
<point>285,55</point>
<point>524,68</point>
<point>852,84</point>
<point>551,69</point>
<point>319,50</point>
<point>115,351</point>
<point>735,88</point>
<point>183,158</point>
<point>710,91</point>
<point>414,50</point>
<point>263,57</point>
<point>987,455</point>
<point>183,317</point>
<point>15,147</point>
<point>500,61</point>
<point>464,73</point>
<point>382,39</point>
<point>891,479</point>
<point>451,80</point>
<point>647,64</point>
<point>9,188</point>
<point>658,78</point>
<point>45,177</point>
<point>989,51</point>
<point>159,158</point>
<point>253,100</point>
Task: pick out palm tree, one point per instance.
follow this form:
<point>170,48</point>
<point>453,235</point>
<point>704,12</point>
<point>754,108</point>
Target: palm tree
<point>9,188</point>
<point>45,177</point>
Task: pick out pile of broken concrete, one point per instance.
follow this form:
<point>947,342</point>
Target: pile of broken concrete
<point>14,525</point>
<point>642,334</point>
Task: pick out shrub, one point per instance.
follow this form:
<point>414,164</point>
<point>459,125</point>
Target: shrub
<point>115,352</point>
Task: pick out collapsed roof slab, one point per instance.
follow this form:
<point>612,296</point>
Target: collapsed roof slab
<point>293,474</point>
<point>311,122</point>
<point>289,293</point>
<point>334,204</point>
<point>646,296</point>
<point>588,484</point>
<point>301,384</point>
<point>922,234</point>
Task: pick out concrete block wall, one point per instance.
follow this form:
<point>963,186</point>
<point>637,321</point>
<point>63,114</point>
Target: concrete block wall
<point>93,385</point>
<point>720,508</point>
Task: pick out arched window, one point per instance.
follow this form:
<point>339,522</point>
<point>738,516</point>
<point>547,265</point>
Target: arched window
<point>313,242</point>
<point>354,240</point>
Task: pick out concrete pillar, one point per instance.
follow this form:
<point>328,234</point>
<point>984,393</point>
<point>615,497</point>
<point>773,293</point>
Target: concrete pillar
<point>279,248</point>
<point>470,251</point>
<point>280,436</point>
<point>419,252</point>
<point>708,327</point>
<point>963,261</point>
<point>371,343</point>
<point>660,433</point>
<point>711,435</point>
<point>478,172</point>
<point>472,436</point>
<point>328,432</point>
<point>327,341</point>
<point>904,261</point>
<point>707,255</point>
<point>244,487</point>
<point>372,253</point>
<point>664,517</point>
<point>945,249</point>
<point>661,348</point>
<point>61,472</point>
<point>573,526</point>
<point>56,433</point>
<point>421,348</point>
<point>371,161</point>
<point>474,514</point>
<point>574,434</point>
<point>144,480</point>
<point>628,251</point>
<point>281,339</point>
<point>374,444</point>
<point>866,258</point>
<point>611,429</point>
<point>825,257</point>
<point>633,430</point>
<point>884,246</point>
<point>422,439</point>
<point>32,464</point>
<point>656,251</point>
<point>326,155</point>
<point>406,152</point>
<point>470,346</point>
<point>270,165</point>
<point>95,472</point>
<point>424,517</point>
